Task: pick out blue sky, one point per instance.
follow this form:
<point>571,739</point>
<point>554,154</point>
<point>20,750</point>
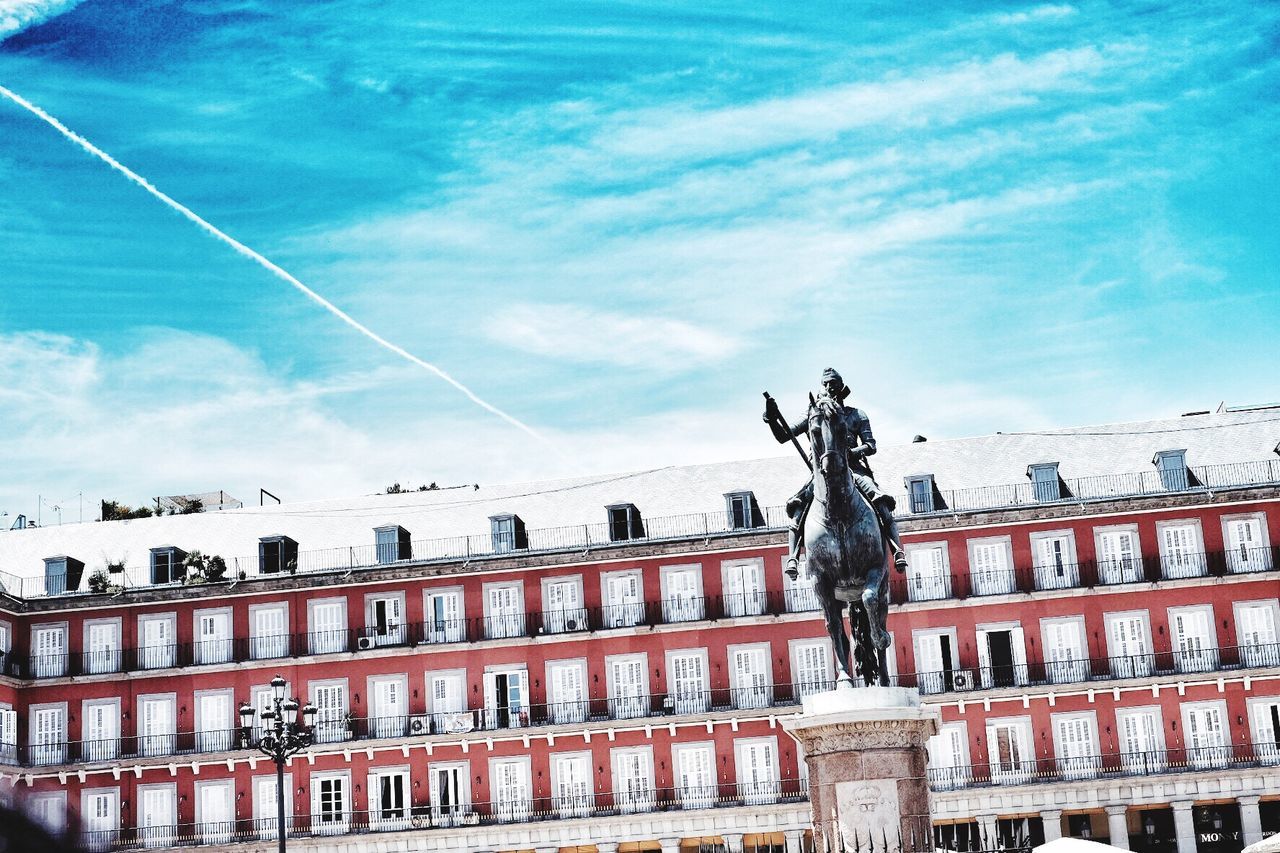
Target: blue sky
<point>620,223</point>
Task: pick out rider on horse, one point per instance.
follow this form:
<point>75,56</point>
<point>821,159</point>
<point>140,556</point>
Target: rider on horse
<point>857,425</point>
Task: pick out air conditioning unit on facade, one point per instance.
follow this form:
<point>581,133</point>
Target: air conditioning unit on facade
<point>419,724</point>
<point>364,643</point>
<point>962,679</point>
<point>456,723</point>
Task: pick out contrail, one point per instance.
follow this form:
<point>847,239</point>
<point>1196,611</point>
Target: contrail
<point>261,260</point>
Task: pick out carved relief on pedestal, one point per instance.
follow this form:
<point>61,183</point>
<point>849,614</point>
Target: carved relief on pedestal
<point>863,735</point>
<point>868,814</point>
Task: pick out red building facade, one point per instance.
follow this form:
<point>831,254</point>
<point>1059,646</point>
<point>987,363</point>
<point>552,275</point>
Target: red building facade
<point>1102,646</point>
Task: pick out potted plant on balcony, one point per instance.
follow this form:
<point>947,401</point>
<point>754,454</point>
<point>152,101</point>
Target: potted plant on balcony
<point>203,569</point>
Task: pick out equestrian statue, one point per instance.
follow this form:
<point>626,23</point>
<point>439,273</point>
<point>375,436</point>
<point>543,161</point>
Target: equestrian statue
<point>846,527</point>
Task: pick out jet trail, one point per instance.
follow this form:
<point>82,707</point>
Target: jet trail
<point>271,267</point>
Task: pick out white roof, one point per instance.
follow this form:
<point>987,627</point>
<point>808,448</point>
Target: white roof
<point>1075,845</point>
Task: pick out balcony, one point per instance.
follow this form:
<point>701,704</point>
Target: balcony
<point>427,818</point>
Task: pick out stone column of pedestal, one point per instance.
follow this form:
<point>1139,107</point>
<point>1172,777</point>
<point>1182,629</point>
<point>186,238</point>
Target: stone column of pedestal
<point>1052,821</point>
<point>865,750</point>
<point>1184,826</point>
<point>988,831</point>
<point>669,845</point>
<point>1250,820</point>
<point>795,840</point>
<point>1118,826</point>
<point>732,841</point>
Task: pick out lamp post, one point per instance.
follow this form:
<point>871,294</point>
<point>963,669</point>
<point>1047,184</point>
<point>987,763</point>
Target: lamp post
<point>283,737</point>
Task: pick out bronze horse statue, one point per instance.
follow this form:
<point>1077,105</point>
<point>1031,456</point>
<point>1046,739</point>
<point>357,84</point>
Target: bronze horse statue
<point>847,557</point>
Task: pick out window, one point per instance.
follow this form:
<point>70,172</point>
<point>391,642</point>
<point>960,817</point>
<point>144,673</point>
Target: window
<point>1076,745</point>
<point>623,599</point>
<point>920,493</point>
<point>443,616</point>
<point>100,817</point>
<point>506,698</point>
<point>389,798</point>
<point>752,676</point>
<point>1246,538</point>
<point>49,810</point>
<point>811,670</point>
<point>744,593</point>
<point>1044,481</point>
<point>1264,715</point>
<point>632,779</point>
<point>62,575</point>
<point>8,735</point>
<point>166,565</point>
<point>1053,555</point>
<point>1181,554</point>
<point>213,636</point>
<point>158,641</point>
<point>47,732</point>
<point>330,699</point>
<point>1141,740</point>
<point>101,646</point>
<point>508,533</point>
<point>800,595</point>
<point>448,704</point>
<point>744,513</point>
<point>935,660</point>
<point>1118,560</point>
<point>562,605</point>
<point>682,594</point>
<point>327,625</point>
<point>695,776</point>
<point>49,650</point>
<point>928,572</point>
<point>1002,656</point>
<point>1256,632</point>
<point>100,730</point>
<point>757,765</point>
<point>1009,750</point>
<point>329,806</point>
<point>392,544</point>
<point>567,680</point>
<point>571,794</point>
<point>1065,657</point>
<point>504,610</point>
<point>450,792</point>
<point>687,687</point>
<point>990,566</point>
<point>214,811</point>
<point>269,631</point>
<point>157,715</point>
<point>510,791</point>
<point>385,614</point>
<point>7,664</point>
<point>157,815</point>
<point>628,686</point>
<point>1195,647</point>
<point>1172,467</point>
<point>949,757</point>
<point>265,817</point>
<point>1129,644</point>
<point>624,522</point>
<point>389,706</point>
<point>215,721</point>
<point>1205,735</point>
<point>277,554</point>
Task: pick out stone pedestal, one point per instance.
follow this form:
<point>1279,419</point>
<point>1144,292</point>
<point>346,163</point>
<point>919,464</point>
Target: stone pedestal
<point>865,751</point>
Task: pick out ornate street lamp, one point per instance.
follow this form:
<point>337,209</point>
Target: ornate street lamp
<point>282,736</point>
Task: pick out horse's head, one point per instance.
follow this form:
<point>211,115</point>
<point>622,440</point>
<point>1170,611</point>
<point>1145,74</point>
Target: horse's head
<point>828,436</point>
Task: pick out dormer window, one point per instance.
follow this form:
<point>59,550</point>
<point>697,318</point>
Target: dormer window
<point>1044,481</point>
<point>62,574</point>
<point>920,492</point>
<point>166,564</point>
<point>393,544</point>
<point>508,533</point>
<point>744,512</point>
<point>1172,465</point>
<point>277,554</point>
<point>624,522</point>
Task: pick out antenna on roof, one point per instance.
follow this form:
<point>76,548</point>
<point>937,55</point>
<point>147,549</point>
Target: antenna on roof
<point>263,494</point>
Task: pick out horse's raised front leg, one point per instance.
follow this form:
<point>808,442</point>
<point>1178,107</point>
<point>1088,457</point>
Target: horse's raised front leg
<point>875,603</point>
<point>834,612</point>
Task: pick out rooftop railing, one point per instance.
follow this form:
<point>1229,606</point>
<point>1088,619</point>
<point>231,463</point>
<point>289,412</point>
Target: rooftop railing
<point>583,537</point>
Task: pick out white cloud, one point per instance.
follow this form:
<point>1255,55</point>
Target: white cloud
<point>1039,13</point>
<point>18,15</point>
<point>580,334</point>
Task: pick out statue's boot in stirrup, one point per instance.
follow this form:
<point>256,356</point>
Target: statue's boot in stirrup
<point>890,528</point>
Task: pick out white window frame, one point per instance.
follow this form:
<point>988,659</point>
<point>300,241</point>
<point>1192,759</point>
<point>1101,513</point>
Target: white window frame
<point>452,630</point>
<point>95,749</point>
<point>327,641</point>
<point>564,710</point>
<point>264,807</point>
<point>578,805</point>
<point>935,681</point>
<point>805,687</point>
<point>92,841</point>
<point>674,609</point>
<point>622,614</point>
<point>222,832</point>
<point>223,647</point>
<point>1255,559</point>
<point>957,772</point>
<point>1202,660</point>
<point>457,812</point>
<point>1208,757</point>
<point>160,656</point>
<point>330,827</point>
<point>695,797</point>
<point>330,730</point>
<point>373,790</point>
<point>1072,670</point>
<point>153,743</point>
<point>560,620</point>
<point>223,737</point>
<point>268,646</point>
<point>1086,766</point>
<point>1190,565</point>
<point>986,671</point>
<point>159,835</point>
<point>511,810</point>
<point>381,724</point>
<point>751,695</point>
<point>41,666</point>
<point>49,810</point>
<point>1156,758</point>
<point>394,633</point>
<point>628,706</point>
<point>923,588</point>
<point>629,801</point>
<point>748,602</point>
<point>1024,769</point>
<point>1000,581</point>
<point>505,625</point>
<point>757,791</point>
<point>1046,574</point>
<point>1118,572</point>
<point>1266,750</point>
<point>1128,666</point>
<point>1253,653</point>
<point>799,595</point>
<point>102,661</point>
<point>516,716</point>
<point>449,720</point>
<point>679,703</point>
<point>47,752</point>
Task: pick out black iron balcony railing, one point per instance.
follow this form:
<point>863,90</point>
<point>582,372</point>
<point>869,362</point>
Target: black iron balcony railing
<point>1028,771</point>
<point>428,817</point>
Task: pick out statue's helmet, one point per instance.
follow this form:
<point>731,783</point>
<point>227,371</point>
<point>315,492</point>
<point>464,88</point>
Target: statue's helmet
<point>830,375</point>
